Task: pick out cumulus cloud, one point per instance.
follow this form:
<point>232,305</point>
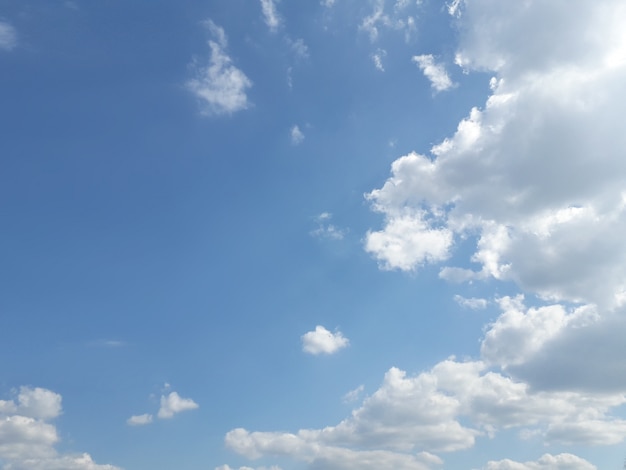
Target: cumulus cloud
<point>173,404</point>
<point>219,85</point>
<point>139,420</point>
<point>270,15</point>
<point>436,73</point>
<point>8,36</point>
<point>322,341</point>
<point>297,136</point>
<point>546,462</point>
<point>442,410</point>
<point>537,173</point>
<point>28,439</point>
<point>353,395</point>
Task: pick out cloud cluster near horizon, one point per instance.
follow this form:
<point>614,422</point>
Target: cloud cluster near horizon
<point>28,436</point>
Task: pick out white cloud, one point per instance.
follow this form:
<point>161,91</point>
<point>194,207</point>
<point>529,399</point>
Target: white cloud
<point>227,467</point>
<point>8,36</point>
<point>322,341</point>
<point>377,57</point>
<point>299,47</point>
<point>220,86</point>
<point>442,410</point>
<point>173,404</point>
<point>538,172</point>
<point>472,303</point>
<point>408,241</point>
<point>38,403</point>
<point>297,136</point>
<point>139,420</point>
<point>379,18</point>
<point>28,439</point>
<point>327,3</point>
<point>270,15</point>
<point>546,462</point>
<point>436,73</point>
<point>353,395</point>
<point>325,229</point>
<point>518,332</point>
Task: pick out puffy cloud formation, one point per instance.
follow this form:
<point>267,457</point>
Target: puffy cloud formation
<point>436,73</point>
<point>546,462</point>
<point>220,86</point>
<point>322,341</point>
<point>442,410</point>
<point>27,438</point>
<point>536,175</point>
<point>173,404</point>
<point>533,181</point>
<point>8,36</point>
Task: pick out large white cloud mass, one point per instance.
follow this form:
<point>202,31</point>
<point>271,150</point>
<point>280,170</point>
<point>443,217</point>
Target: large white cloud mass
<point>537,174</point>
<point>27,437</point>
<point>535,179</point>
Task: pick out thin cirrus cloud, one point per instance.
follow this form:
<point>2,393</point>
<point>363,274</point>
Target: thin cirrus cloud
<point>325,229</point>
<point>322,341</point>
<point>8,36</point>
<point>219,85</point>
<point>28,437</point>
<point>270,14</point>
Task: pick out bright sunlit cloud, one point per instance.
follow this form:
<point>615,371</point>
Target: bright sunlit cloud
<point>322,341</point>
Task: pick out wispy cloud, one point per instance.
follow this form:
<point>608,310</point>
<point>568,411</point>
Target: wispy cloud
<point>436,73</point>
<point>297,135</point>
<point>220,85</point>
<point>270,15</point>
<point>377,57</point>
<point>472,303</point>
<point>322,341</point>
<point>8,36</point>
<point>139,420</point>
<point>353,395</point>
<point>325,229</point>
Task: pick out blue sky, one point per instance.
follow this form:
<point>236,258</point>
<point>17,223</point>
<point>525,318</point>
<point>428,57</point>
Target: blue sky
<point>312,235</point>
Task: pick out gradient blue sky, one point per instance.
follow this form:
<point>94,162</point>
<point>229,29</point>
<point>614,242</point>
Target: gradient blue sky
<point>261,234</point>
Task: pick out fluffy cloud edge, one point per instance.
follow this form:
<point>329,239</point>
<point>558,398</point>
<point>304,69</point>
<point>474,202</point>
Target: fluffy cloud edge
<point>322,341</point>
